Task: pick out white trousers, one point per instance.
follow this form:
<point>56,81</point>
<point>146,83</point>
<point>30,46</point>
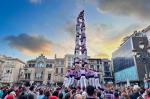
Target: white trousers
<point>83,82</point>
<point>77,83</point>
<point>66,82</point>
<point>93,81</point>
<point>87,81</point>
<point>72,80</point>
<point>97,84</point>
<point>69,81</point>
<point>90,81</point>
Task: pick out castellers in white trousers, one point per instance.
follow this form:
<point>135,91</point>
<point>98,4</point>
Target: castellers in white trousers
<point>69,81</point>
<point>97,85</point>
<point>72,81</point>
<point>93,81</point>
<point>66,82</point>
<point>83,82</point>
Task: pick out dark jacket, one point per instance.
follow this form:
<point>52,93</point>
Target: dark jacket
<point>45,97</point>
<point>134,95</point>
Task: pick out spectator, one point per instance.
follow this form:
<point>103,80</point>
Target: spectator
<point>67,96</point>
<point>19,91</point>
<point>116,95</point>
<point>31,96</point>
<point>99,95</point>
<point>52,97</point>
<point>147,94</point>
<point>1,93</point>
<point>46,95</point>
<point>84,94</point>
<point>124,96</point>
<point>11,95</point>
<point>60,96</point>
<point>31,92</point>
<point>78,96</point>
<point>41,95</point>
<point>23,95</point>
<point>90,92</point>
<point>136,90</point>
<point>55,93</point>
<point>108,95</point>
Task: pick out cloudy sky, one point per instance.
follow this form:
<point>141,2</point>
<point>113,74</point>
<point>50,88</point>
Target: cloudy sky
<point>31,27</point>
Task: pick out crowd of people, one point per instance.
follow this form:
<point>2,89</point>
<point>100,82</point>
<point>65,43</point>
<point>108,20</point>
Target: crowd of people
<point>27,91</point>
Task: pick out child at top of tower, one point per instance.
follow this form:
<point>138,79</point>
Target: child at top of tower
<point>81,15</point>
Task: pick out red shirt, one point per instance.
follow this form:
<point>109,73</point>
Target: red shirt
<point>9,97</point>
<point>52,97</point>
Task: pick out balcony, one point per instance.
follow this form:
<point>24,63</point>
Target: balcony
<point>38,78</point>
<point>24,79</point>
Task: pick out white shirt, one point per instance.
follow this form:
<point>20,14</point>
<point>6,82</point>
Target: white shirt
<point>95,74</point>
<point>82,71</point>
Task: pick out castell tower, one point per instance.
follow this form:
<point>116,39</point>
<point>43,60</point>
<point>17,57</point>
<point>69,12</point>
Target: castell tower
<point>78,74</point>
<point>80,54</point>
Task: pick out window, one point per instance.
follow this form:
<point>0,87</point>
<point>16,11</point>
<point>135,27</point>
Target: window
<point>7,71</point>
<point>33,65</point>
<point>99,75</point>
<point>106,68</point>
<point>49,76</point>
<point>69,64</point>
<point>69,58</point>
<point>38,75</point>
<point>62,62</point>
<point>97,61</point>
<point>107,74</point>
<point>61,70</point>
<point>50,65</point>
<point>56,70</point>
<point>91,66</point>
<point>27,76</point>
<point>98,68</point>
<point>40,64</point>
<point>92,61</point>
<point>29,65</point>
<point>47,65</point>
<point>105,63</point>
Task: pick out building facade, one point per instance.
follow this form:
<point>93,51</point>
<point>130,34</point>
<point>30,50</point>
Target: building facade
<point>69,59</point>
<point>103,68</point>
<point>40,70</point>
<point>59,69</point>
<point>1,66</point>
<point>43,69</point>
<point>10,69</point>
<point>107,71</point>
<point>128,66</point>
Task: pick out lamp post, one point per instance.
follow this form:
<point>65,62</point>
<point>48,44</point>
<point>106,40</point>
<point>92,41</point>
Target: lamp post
<point>144,57</point>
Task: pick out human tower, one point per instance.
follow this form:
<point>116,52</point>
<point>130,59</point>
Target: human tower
<point>80,75</point>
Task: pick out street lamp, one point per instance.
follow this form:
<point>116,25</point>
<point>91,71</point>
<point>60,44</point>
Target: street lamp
<point>143,56</point>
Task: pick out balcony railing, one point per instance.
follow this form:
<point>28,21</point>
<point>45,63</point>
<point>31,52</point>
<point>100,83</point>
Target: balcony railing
<point>38,78</point>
